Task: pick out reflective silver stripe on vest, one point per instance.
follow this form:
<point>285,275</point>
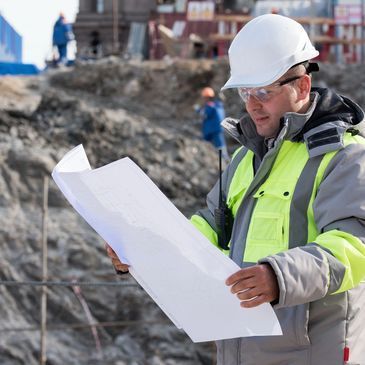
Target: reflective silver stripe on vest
<point>206,213</point>
<point>208,216</point>
<point>244,212</point>
<point>298,224</point>
<point>233,167</point>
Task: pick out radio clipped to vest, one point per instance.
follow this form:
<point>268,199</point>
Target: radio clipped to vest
<point>222,215</point>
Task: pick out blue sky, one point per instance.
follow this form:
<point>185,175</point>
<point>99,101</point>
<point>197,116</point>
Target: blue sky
<point>33,20</point>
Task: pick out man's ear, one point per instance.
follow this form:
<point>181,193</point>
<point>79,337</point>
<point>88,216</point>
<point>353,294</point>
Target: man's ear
<point>304,87</point>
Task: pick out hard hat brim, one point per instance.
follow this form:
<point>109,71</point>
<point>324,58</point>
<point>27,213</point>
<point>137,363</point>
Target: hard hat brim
<point>265,78</point>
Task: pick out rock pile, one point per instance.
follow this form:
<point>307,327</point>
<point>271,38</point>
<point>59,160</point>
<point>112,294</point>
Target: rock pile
<point>115,109</point>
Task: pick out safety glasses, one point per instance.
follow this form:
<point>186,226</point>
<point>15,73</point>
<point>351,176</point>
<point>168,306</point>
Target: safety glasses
<point>264,94</point>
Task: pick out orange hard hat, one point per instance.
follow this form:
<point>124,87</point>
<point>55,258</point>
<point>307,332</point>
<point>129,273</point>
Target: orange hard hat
<point>207,92</point>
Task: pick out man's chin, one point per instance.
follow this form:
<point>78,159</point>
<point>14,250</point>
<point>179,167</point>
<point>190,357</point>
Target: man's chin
<point>263,132</point>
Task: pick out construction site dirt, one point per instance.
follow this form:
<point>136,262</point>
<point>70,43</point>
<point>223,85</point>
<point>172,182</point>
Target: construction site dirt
<point>115,108</point>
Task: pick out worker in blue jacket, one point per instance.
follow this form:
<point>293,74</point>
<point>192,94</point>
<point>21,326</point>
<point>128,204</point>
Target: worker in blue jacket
<point>62,34</point>
<point>212,113</point>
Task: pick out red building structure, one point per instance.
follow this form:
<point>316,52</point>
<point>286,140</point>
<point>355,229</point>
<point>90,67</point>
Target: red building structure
<point>191,29</point>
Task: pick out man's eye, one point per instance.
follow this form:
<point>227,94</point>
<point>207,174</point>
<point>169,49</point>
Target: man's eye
<point>262,92</point>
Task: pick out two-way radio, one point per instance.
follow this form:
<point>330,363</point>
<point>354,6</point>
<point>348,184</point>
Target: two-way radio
<point>222,215</point>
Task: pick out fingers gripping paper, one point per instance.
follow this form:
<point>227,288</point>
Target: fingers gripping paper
<point>174,263</point>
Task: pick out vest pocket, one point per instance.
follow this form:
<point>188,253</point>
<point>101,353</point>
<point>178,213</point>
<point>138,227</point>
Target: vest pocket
<point>269,228</point>
<point>265,236</point>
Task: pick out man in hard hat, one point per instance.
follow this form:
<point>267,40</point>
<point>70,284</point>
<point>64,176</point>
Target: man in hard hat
<point>212,114</point>
<point>296,193</point>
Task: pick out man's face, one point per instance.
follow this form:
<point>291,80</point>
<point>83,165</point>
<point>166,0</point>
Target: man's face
<point>266,114</point>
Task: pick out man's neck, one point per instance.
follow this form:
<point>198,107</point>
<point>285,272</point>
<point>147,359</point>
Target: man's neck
<point>305,106</point>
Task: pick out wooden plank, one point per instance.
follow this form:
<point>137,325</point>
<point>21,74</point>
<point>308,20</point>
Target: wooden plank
<point>305,20</point>
<point>316,39</point>
<point>221,37</point>
<point>334,40</point>
<point>232,18</point>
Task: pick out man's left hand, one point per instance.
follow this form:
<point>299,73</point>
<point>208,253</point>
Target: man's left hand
<point>254,285</point>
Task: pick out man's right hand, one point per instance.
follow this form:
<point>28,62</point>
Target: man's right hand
<point>118,265</point>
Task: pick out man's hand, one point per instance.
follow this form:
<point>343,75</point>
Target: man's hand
<point>254,285</point>
<point>119,266</point>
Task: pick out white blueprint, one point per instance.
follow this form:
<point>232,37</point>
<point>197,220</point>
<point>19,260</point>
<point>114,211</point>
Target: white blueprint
<point>176,265</point>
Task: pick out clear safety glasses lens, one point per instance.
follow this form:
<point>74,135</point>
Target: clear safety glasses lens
<point>262,94</point>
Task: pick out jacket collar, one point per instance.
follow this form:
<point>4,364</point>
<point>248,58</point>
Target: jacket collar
<point>327,109</point>
<point>244,130</point>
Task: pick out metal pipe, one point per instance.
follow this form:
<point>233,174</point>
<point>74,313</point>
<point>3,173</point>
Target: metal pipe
<point>43,354</point>
<point>115,10</point>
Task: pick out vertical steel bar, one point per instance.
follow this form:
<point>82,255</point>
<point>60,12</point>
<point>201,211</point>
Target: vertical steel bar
<point>115,27</point>
<point>43,355</point>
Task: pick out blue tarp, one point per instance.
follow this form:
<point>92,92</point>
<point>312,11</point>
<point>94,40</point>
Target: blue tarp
<point>9,68</point>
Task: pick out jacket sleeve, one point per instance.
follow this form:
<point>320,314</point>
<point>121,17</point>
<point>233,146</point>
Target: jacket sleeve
<point>203,219</point>
<point>335,261</point>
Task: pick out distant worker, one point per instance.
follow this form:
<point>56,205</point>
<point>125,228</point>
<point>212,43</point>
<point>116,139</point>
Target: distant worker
<point>212,113</point>
<point>62,34</point>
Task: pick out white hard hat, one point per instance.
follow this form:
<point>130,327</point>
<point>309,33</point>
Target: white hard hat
<point>265,48</point>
